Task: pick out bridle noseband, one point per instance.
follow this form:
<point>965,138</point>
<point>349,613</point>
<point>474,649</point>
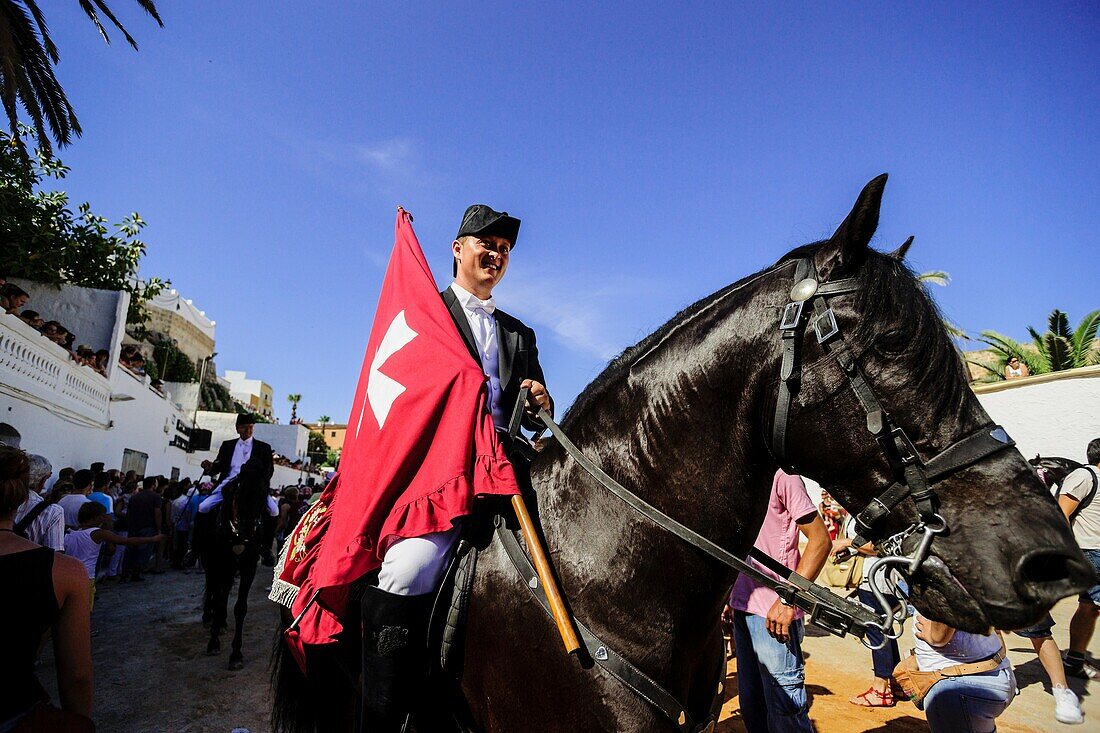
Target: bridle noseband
<point>914,476</point>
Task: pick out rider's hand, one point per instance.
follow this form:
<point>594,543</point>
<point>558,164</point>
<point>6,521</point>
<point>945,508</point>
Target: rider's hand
<point>779,621</point>
<point>206,465</point>
<point>539,397</point>
<point>841,543</point>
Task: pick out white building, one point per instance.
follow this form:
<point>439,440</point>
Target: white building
<point>71,414</point>
<point>255,394</point>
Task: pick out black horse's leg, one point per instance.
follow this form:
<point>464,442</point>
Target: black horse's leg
<point>219,578</point>
<point>247,564</point>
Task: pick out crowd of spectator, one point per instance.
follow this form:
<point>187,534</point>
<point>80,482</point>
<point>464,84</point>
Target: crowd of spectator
<point>13,300</point>
<point>102,526</point>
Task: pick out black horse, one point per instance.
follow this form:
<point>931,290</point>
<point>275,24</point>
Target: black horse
<point>682,418</point>
<point>233,547</point>
<point>1052,470</point>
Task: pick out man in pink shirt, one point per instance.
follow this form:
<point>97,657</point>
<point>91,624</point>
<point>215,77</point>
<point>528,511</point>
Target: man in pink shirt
<point>771,672</point>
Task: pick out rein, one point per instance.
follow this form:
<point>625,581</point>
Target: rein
<point>916,478</point>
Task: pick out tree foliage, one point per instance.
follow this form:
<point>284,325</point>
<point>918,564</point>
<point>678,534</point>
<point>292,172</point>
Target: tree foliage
<point>46,241</point>
<point>1057,349</point>
<point>27,57</point>
<point>317,449</point>
<point>173,364</point>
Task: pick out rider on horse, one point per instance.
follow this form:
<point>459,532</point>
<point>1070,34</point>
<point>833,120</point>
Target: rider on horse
<point>396,611</point>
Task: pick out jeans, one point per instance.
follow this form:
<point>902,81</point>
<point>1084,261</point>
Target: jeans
<point>885,659</point>
<point>138,556</point>
<point>771,677</point>
<point>969,704</point>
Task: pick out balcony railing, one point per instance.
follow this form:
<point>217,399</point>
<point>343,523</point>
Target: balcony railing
<point>36,370</point>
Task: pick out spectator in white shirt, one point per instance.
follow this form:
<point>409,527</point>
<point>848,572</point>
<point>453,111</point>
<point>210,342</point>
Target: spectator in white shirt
<point>78,497</point>
<point>47,521</point>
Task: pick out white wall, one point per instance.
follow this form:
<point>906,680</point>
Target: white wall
<point>1052,415</point>
<point>140,419</point>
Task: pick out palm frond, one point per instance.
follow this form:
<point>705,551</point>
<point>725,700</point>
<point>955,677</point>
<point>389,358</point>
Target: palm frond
<point>992,372</point>
<point>1058,351</point>
<point>1058,324</point>
<point>1083,343</point>
<point>27,59</point>
<point>27,55</point>
<point>935,277</point>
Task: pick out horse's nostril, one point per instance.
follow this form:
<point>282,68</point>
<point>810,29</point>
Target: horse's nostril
<point>1048,575</point>
<point>1043,568</point>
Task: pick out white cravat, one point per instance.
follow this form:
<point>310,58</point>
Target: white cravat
<point>479,314</point>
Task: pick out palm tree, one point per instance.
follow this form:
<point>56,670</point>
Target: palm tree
<point>294,399</point>
<point>323,421</point>
<point>27,58</point>
<point>1056,350</point>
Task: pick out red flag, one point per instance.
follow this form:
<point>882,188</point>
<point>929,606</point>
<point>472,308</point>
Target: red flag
<point>420,445</point>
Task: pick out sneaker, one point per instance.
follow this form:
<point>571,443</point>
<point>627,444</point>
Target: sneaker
<point>1084,670</point>
<point>1067,708</point>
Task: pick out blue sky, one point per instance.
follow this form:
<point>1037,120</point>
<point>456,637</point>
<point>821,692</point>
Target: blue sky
<point>655,153</point>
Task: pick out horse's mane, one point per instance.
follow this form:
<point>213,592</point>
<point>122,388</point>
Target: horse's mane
<point>882,278</point>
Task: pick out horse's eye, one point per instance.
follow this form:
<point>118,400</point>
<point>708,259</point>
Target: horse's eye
<point>892,342</point>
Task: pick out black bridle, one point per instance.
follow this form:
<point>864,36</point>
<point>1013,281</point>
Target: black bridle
<point>915,480</point>
<point>915,477</point>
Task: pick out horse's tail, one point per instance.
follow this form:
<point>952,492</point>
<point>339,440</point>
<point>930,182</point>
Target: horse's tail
<point>291,708</point>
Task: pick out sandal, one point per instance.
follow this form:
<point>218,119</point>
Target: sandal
<point>874,699</point>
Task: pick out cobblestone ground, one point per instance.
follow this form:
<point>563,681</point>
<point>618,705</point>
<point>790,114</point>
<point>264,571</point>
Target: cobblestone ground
<point>152,674</point>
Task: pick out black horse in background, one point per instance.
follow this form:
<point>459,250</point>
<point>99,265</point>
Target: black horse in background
<point>1052,470</point>
<point>233,547</point>
<point>682,419</point>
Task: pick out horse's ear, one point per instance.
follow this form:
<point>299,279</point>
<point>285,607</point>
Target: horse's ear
<point>899,253</point>
<point>848,246</point>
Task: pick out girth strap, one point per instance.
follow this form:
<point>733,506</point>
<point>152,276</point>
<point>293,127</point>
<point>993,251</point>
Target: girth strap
<point>615,665</point>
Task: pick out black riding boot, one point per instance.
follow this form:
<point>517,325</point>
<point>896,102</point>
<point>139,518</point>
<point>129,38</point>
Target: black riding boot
<point>395,658</point>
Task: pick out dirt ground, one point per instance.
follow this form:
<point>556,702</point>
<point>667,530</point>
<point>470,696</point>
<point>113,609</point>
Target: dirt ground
<point>152,675</point>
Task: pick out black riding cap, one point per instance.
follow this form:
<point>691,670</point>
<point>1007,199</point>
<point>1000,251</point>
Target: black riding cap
<point>480,219</point>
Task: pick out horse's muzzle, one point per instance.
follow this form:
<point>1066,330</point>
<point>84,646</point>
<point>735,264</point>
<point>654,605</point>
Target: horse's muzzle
<point>1045,576</point>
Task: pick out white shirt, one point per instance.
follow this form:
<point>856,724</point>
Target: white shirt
<point>48,528</point>
<point>963,648</point>
<point>79,544</point>
<point>484,327</point>
<point>71,504</point>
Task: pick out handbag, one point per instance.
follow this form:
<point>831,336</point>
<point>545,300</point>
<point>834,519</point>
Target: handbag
<point>45,718</point>
<point>916,683</point>
<point>845,574</point>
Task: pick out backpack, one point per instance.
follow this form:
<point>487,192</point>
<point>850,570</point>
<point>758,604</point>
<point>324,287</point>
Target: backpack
<point>1088,497</point>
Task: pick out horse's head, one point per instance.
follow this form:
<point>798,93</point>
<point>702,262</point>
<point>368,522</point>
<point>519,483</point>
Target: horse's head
<point>1007,553</point>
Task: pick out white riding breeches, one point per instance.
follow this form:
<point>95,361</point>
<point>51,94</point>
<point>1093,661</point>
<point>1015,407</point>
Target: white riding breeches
<point>414,566</point>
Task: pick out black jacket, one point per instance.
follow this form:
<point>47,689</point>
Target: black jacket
<point>261,459</point>
<point>519,357</point>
